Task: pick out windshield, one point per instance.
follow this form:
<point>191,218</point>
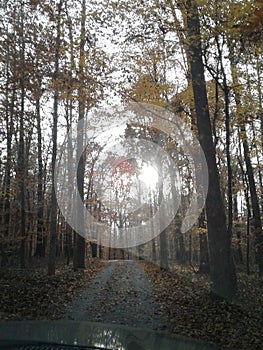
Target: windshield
<point>131,174</point>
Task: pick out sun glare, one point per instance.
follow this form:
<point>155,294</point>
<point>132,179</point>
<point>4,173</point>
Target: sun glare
<point>149,176</point>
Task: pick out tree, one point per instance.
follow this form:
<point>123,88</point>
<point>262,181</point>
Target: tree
<point>53,202</point>
<point>250,172</point>
<point>222,269</point>
<point>79,248</point>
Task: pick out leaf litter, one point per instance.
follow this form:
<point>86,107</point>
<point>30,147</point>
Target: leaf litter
<point>194,312</point>
<point>182,296</point>
<point>33,295</point>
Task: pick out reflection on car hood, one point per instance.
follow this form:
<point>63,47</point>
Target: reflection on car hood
<point>107,336</point>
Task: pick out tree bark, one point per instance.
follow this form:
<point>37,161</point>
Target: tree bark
<point>41,241</point>
<point>250,173</point>
<point>21,146</point>
<point>53,203</point>
<point>79,251</point>
<point>222,268</point>
<point>228,141</point>
<point>204,266</point>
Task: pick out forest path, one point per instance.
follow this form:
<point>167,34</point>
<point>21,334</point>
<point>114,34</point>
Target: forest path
<point>120,294</point>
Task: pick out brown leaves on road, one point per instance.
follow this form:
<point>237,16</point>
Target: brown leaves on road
<point>31,294</point>
<point>183,296</point>
<point>194,312</point>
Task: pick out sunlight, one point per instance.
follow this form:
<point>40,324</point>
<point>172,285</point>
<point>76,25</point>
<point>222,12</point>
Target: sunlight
<point>149,175</point>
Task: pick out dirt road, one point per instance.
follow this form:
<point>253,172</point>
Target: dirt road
<point>121,294</point>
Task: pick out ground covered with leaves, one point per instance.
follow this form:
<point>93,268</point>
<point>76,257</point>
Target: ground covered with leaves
<point>121,294</point>
<point>32,294</point>
<point>183,297</point>
<point>193,312</point>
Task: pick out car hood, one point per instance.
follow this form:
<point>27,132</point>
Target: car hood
<point>109,336</point>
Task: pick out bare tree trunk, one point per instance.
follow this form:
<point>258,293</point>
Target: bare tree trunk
<point>246,190</point>
<point>41,241</point>
<point>69,235</point>
<point>21,146</point>
<point>164,265</point>
<point>222,268</point>
<point>190,253</point>
<point>204,255</point>
<point>79,251</point>
<point>151,204</point>
<point>239,255</point>
<point>228,156</point>
<point>53,204</point>
<point>9,134</point>
<point>250,173</point>
<point>259,88</point>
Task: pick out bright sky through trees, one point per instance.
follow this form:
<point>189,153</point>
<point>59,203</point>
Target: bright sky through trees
<point>149,176</point>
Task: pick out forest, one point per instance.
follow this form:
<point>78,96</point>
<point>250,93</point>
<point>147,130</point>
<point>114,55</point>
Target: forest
<point>133,131</point>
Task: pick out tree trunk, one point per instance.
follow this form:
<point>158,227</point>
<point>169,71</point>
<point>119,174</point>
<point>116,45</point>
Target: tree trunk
<point>151,205</point>
<point>41,241</point>
<point>228,141</point>
<point>222,268</point>
<point>53,204</point>
<point>6,186</point>
<point>163,235</point>
<point>250,173</point>
<point>21,147</point>
<point>79,259</point>
<point>204,255</point>
<point>239,254</point>
<point>9,110</point>
<point>69,117</point>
